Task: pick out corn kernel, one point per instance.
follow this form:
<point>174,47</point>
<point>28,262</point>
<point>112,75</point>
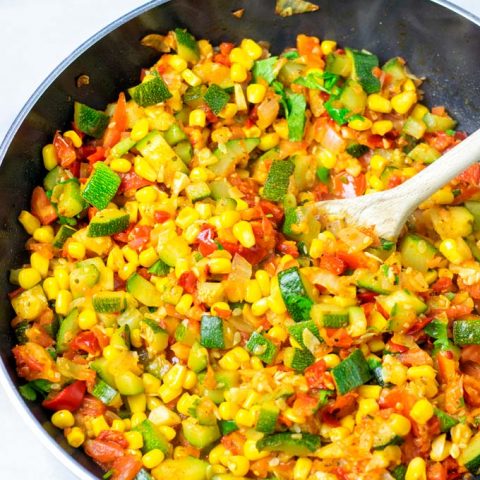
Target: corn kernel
<point>75,437</point>
<point>197,118</point>
<point>252,132</point>
<point>190,380</point>
<point>409,86</point>
<point>44,234</point>
<point>134,439</point>
<point>381,127</point>
<point>328,46</point>
<point>243,232</point>
<point>49,154</point>
<point>404,101</point>
<point>419,111</point>
<point>238,465</point>
<point>99,424</point>
<point>303,465</point>
<point>461,434</point>
<point>140,129</point>
<point>251,452</point>
<point>63,419</point>
<point>331,359</point>
<point>184,305</point>
<point>269,141</point>
<point>220,266</point>
<point>260,307</point>
<point>251,48</point>
<point>175,377</point>
<point>74,137</point>
<point>416,469</point>
<point>120,165</point>
<point>360,123</point>
<point>62,277</point>
<point>256,92</point>
<point>29,277</point>
<point>148,257</point>
<point>422,411</point>
<point>153,458</point>
<point>238,73</point>
<point>40,263</point>
<point>146,195</point>
<point>370,391</point>
<point>238,55</point>
<point>143,169</point>
<point>421,371</point>
<point>377,162</point>
<point>87,319</point>
<point>29,222</point>
<point>62,303</point>
<point>216,453</point>
<point>440,448</point>
<point>366,406</point>
<point>191,78</point>
<point>399,424</point>
<point>177,63</point>
<point>245,418</point>
<point>229,111</point>
<point>76,250</point>
<point>380,104</point>
<point>253,292</point>
<point>50,287</point>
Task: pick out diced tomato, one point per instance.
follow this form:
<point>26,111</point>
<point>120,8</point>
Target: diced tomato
<point>85,150</point>
<point>117,124</point>
<point>272,209</point>
<point>113,436</point>
<point>126,468</point>
<point>306,44</point>
<point>471,385</point>
<point>354,260</point>
<point>304,404</point>
<point>206,242</point>
<point>70,398</point>
<point>338,337</point>
<point>234,442</point>
<point>161,216</point>
<point>419,325</point>
<point>394,181</point>
<point>398,399</point>
<point>332,263</point>
<point>395,347</point>
<point>288,247</point>
<point>347,186</point>
<point>261,468</point>
<point>320,191</point>
<point>139,236</point>
<point>41,206</point>
<point>338,408</point>
<point>98,155</point>
<point>91,407</point>
<point>314,374</point>
<point>471,175</point>
<point>443,284</point>
<point>64,149</point>
<point>415,356</point>
<point>188,281</point>
<point>86,342</point>
<point>131,182</point>
<point>104,452</point>
<point>253,255</point>
<point>34,362</point>
<point>37,334</point>
<point>440,140</point>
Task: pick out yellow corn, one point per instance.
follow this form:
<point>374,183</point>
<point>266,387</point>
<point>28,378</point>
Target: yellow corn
<point>461,434</point>
<point>177,63</point>
<point>409,85</point>
<point>168,432</point>
<point>253,292</point>
<point>256,92</point>
<point>63,419</point>
<point>185,402</point>
<point>153,458</point>
<point>422,411</point>
<point>440,448</point>
<point>252,132</point>
<point>380,104</point>
<point>220,266</point>
<point>74,137</point>
<point>399,424</point>
<point>251,452</point>
<point>29,222</point>
<point>148,257</point>
<point>120,165</point>
<point>76,250</point>
<point>62,303</point>
<point>216,453</point>
<point>455,250</point>
<point>360,123</point>
<point>238,465</point>
<point>269,141</point>
<point>139,130</point>
<point>421,371</point>
<point>331,359</point>
<point>191,78</point>
<point>44,234</point>
<point>49,154</point>
<point>197,118</point>
<point>245,418</point>
<point>419,111</point>
<point>260,307</point>
<point>238,73</point>
<point>381,127</point>
<point>146,195</point>
<point>75,437</point>
<point>99,424</point>
<point>377,162</point>
<point>143,169</point>
<point>183,306</point>
<point>39,263</point>
<point>29,277</point>
<point>134,439</point>
<point>238,55</point>
<point>302,468</point>
<point>370,391</point>
<point>251,48</point>
<point>263,279</point>
<point>229,111</point>
<point>50,287</point>
<point>404,101</point>
<point>62,277</point>
<point>244,234</point>
<point>416,469</point>
<point>366,406</point>
<point>175,377</point>
<point>87,319</point>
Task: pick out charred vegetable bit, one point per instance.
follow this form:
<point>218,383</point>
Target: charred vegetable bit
<point>183,313</point>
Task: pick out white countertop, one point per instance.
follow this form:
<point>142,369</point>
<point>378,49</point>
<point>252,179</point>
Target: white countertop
<point>35,37</point>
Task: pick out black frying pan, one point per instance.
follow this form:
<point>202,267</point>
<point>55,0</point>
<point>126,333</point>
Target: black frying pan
<point>438,43</point>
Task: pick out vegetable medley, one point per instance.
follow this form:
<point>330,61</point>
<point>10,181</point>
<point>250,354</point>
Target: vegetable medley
<point>184,314</point>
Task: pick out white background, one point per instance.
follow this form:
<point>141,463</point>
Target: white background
<point>35,36</point>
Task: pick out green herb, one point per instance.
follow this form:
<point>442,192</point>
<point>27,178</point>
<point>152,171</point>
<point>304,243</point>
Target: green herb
<point>30,390</point>
<point>265,69</point>
<point>319,81</point>
<point>291,55</point>
<point>456,192</point>
<point>323,174</point>
<point>337,112</point>
<point>438,330</point>
<point>386,244</point>
<point>296,116</point>
<point>450,132</point>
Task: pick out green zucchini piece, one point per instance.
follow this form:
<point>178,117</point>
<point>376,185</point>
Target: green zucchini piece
<point>108,222</point>
<point>233,152</point>
<point>220,189</point>
<point>375,366</point>
<point>128,383</point>
<point>159,268</point>
<point>298,359</point>
<point>216,98</point>
<point>68,331</point>
<point>446,420</point>
<point>466,332</point>
<point>278,179</point>
<point>54,176</point>
<point>300,444</point>
<point>413,127</point>
<point>184,151</point>
<point>375,282</point>
<point>399,472</point>
<point>193,96</point>
<point>84,276</point>
<point>104,392</point>
<point>362,65</point>
<point>267,419</point>
<point>143,475</point>
<point>175,135</point>
<point>470,456</point>
<point>395,67</point>
<point>190,468</point>
<point>385,438</point>
<point>290,72</point>
<point>417,253</point>
<point>90,121</point>
<point>353,98</point>
<point>351,372</point>
<point>122,147</point>
<point>297,331</point>
<point>152,438</point>
<point>339,64</point>
<point>401,300</point>
<point>227,426</point>
<point>424,153</point>
<point>155,336</point>
<point>109,302</point>
<point>211,332</point>
<point>197,191</point>
<point>294,294</point>
<point>63,234</point>
<point>356,150</point>
<point>474,208</point>
<point>185,334</point>
<point>329,316</point>
<point>102,186</point>
<point>437,123</point>
<point>300,219</point>
<point>144,291</point>
<point>150,93</point>
<point>200,436</point>
<point>101,366</point>
<point>261,347</point>
<point>197,358</point>
<point>68,199</point>
<point>187,46</point>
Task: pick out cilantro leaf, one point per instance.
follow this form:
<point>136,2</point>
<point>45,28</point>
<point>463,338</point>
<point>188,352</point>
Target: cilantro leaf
<point>325,82</point>
<point>28,393</point>
<point>336,111</point>
<point>323,174</point>
<point>296,117</point>
<point>265,69</point>
<point>438,330</point>
<point>292,55</point>
<point>30,390</point>
<point>386,244</point>
<point>279,89</point>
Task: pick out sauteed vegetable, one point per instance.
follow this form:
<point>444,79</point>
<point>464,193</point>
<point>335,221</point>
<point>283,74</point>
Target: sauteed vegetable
<point>183,314</point>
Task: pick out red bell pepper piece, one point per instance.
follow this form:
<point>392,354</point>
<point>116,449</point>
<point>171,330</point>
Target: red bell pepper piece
<point>118,123</point>
<point>42,208</point>
<point>70,398</point>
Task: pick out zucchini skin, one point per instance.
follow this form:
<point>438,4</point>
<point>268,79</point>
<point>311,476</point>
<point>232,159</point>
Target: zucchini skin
<point>294,294</point>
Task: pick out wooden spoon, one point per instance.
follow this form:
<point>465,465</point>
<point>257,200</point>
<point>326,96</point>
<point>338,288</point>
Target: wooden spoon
<point>388,211</point>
